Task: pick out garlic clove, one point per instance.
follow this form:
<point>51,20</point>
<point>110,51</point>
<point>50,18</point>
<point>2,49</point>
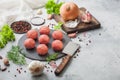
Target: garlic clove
<point>36,68</point>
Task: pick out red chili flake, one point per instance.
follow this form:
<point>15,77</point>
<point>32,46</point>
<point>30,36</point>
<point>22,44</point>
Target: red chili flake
<point>53,64</point>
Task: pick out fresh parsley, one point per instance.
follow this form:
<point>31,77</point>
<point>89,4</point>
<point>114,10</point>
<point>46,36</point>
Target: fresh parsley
<point>52,57</point>
<point>53,7</point>
<point>58,26</point>
<point>6,34</point>
<point>15,55</point>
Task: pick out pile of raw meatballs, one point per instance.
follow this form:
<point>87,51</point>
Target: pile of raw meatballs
<point>43,39</point>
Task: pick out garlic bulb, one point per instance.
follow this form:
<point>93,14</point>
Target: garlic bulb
<point>87,17</point>
<point>36,68</point>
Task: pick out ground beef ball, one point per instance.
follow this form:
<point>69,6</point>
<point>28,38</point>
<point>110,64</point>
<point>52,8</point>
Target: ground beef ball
<point>32,34</point>
<point>43,39</point>
<point>29,43</point>
<point>57,45</point>
<point>58,35</point>
<point>42,49</point>
<point>44,30</point>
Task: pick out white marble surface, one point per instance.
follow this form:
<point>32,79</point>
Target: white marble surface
<point>99,60</point>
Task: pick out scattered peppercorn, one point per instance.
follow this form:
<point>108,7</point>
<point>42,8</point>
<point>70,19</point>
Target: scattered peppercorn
<point>19,71</point>
<point>74,57</point>
<point>15,75</point>
<point>24,71</point>
<point>99,34</point>
<point>47,70</point>
<point>8,70</point>
<point>0,57</point>
<point>80,40</point>
<point>20,68</point>
<point>89,41</point>
<point>51,71</point>
<point>20,26</point>
<point>78,50</point>
<point>87,44</point>
<point>77,55</point>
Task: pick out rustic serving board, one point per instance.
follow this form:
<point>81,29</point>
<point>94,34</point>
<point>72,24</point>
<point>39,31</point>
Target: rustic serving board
<point>94,24</point>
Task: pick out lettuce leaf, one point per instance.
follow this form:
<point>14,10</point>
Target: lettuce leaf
<point>6,34</point>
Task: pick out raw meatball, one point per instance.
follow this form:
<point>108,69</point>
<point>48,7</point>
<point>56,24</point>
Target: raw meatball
<point>44,30</point>
<point>57,45</point>
<point>57,35</point>
<point>43,39</point>
<point>32,34</point>
<point>29,43</point>
<point>42,49</point>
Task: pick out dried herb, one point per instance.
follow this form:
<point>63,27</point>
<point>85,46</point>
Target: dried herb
<point>15,55</point>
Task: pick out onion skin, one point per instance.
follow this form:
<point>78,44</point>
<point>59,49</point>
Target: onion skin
<point>69,11</point>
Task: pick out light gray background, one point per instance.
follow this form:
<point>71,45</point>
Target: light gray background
<point>100,60</point>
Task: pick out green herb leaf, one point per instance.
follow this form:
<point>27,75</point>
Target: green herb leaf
<point>6,34</point>
<point>58,26</point>
<point>52,7</point>
<point>52,57</point>
<point>15,55</point>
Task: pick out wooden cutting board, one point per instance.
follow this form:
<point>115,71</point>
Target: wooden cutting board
<point>94,24</point>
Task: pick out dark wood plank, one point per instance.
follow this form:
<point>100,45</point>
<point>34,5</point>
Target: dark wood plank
<point>94,24</point>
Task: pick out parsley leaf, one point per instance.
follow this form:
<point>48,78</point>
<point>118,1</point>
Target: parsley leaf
<point>58,26</point>
<point>52,57</point>
<point>52,7</point>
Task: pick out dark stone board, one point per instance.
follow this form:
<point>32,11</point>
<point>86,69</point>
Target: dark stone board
<point>32,54</point>
<point>94,24</point>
